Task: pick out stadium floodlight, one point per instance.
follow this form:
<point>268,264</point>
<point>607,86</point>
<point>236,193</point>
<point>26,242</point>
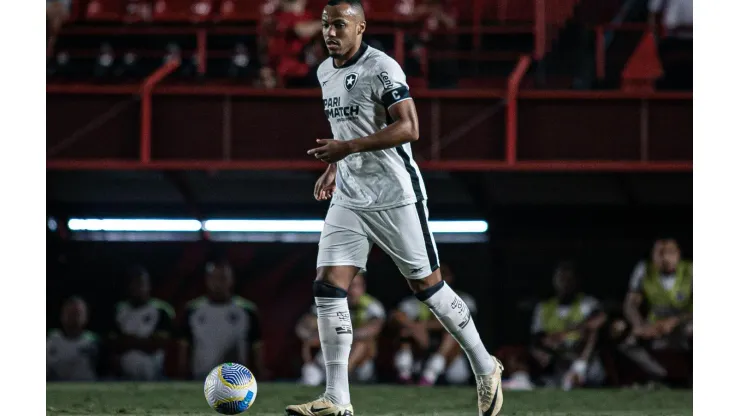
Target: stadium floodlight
<point>246,225</point>
<point>133,225</point>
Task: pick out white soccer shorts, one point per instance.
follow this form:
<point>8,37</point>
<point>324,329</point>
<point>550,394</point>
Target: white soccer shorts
<point>402,233</point>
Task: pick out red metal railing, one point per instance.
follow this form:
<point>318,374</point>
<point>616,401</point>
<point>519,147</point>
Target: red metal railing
<point>512,92</point>
<point>512,138</point>
<point>146,107</point>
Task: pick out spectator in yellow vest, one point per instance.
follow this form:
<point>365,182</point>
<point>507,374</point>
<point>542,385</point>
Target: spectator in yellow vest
<point>665,286</point>
<point>565,333</point>
<point>424,346</point>
<point>367,316</point>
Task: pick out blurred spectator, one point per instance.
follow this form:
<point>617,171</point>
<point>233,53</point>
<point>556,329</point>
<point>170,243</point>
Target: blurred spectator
<point>239,65</point>
<point>565,333</point>
<point>57,12</point>
<point>435,16</point>
<point>676,48</point>
<point>221,327</point>
<point>367,315</point>
<point>289,41</point>
<point>420,333</point>
<point>139,10</point>
<point>72,352</point>
<point>143,327</point>
<point>267,78</point>
<point>666,285</point>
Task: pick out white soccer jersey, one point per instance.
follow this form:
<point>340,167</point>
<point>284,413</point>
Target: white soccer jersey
<point>142,321</point>
<point>357,97</point>
<point>589,306</point>
<point>71,359</point>
<point>220,332</point>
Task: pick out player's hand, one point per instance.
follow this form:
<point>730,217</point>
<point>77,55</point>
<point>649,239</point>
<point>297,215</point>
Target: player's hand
<point>331,150</point>
<point>667,325</point>
<point>647,331</point>
<point>325,185</point>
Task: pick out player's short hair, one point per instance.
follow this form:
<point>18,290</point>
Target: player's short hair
<point>352,3</point>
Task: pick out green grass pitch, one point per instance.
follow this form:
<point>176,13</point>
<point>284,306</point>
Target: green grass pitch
<point>104,399</point>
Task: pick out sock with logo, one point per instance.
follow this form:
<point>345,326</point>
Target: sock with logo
<point>335,333</point>
<point>454,315</point>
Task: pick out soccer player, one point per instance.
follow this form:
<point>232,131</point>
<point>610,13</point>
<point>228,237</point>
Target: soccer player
<point>220,326</point>
<point>143,326</point>
<point>72,352</point>
<point>367,315</point>
<point>378,197</point>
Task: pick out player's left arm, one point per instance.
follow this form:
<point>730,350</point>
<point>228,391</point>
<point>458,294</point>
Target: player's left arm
<point>404,129</point>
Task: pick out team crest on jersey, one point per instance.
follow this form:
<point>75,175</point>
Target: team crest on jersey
<point>350,81</point>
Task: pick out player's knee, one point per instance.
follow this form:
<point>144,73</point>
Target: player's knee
<point>323,289</point>
<point>421,287</point>
<point>336,276</point>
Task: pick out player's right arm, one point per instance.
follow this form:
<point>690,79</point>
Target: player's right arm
<point>634,298</point>
<point>326,184</point>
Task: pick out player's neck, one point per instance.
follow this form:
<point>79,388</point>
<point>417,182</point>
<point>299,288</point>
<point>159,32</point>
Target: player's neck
<point>352,56</point>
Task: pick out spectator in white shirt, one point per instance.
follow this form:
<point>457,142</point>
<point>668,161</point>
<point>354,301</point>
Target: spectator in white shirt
<point>676,47</point>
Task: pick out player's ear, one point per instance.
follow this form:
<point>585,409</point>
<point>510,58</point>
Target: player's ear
<point>361,27</point>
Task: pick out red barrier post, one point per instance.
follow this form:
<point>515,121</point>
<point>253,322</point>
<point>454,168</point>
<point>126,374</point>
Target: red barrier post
<point>201,37</point>
<point>477,18</point>
<point>600,53</point>
<point>512,91</point>
<point>145,150</point>
<point>540,29</point>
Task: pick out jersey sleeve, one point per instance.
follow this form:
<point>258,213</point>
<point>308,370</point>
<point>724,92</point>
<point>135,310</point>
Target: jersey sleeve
<point>254,332</point>
<point>164,323</point>
<point>638,274</point>
<point>536,320</point>
<point>410,308</point>
<point>375,310</point>
<point>655,6</point>
<point>186,331</point>
<point>389,83</point>
<point>590,306</point>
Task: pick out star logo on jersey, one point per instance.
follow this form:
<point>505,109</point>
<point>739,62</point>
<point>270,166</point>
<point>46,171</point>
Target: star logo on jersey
<point>350,81</point>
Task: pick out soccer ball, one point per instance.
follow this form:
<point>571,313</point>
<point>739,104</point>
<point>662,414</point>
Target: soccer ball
<point>230,388</point>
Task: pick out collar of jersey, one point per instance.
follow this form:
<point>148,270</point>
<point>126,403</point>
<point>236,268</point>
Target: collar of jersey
<point>353,60</point>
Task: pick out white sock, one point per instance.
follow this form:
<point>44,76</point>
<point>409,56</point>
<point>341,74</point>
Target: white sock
<point>404,361</point>
<point>454,315</point>
<point>335,333</point>
<point>435,366</point>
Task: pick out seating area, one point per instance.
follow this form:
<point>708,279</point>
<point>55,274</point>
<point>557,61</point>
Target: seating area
<point>487,41</point>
